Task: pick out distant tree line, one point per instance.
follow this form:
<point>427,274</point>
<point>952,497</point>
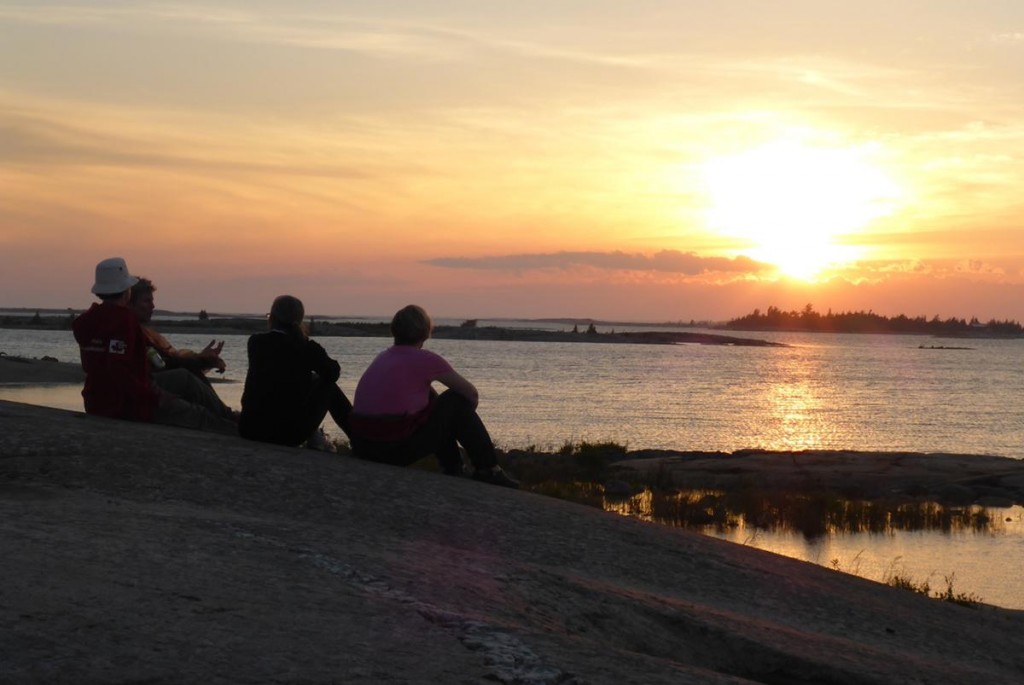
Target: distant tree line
<point>774,319</point>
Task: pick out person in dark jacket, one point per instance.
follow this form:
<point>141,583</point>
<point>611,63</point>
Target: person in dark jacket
<point>291,383</point>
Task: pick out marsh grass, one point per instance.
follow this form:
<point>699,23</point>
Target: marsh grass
<point>585,472</point>
<point>897,578</point>
<point>812,514</point>
<point>583,462</point>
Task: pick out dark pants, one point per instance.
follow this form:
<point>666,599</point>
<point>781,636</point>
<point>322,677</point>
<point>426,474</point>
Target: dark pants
<point>452,422</point>
<point>174,411</point>
<point>323,398</point>
<point>193,388</point>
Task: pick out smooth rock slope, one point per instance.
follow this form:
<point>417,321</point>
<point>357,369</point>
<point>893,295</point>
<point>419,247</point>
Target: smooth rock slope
<point>136,553</point>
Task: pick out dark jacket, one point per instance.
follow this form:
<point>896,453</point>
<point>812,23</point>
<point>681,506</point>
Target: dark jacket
<point>278,386</point>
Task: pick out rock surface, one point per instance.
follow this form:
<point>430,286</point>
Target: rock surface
<point>21,370</point>
<point>953,479</point>
<point>136,553</point>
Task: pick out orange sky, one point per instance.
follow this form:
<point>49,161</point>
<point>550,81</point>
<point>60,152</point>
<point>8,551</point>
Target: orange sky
<point>644,160</point>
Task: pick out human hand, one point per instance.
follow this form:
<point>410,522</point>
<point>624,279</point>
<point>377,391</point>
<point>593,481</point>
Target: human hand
<point>211,353</point>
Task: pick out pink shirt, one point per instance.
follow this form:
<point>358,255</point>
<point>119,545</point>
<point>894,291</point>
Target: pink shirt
<point>397,382</point>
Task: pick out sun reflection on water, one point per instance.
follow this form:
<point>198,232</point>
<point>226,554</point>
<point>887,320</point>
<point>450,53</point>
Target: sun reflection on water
<point>794,406</point>
<point>794,394</point>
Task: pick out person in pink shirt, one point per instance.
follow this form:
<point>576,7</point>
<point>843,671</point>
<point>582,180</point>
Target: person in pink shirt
<point>398,418</point>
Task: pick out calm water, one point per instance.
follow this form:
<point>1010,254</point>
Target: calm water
<point>868,392</point>
<point>826,391</point>
<point>988,565</point>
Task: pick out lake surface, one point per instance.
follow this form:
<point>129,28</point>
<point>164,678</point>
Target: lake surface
<point>987,565</point>
<point>864,392</point>
<point>826,391</point>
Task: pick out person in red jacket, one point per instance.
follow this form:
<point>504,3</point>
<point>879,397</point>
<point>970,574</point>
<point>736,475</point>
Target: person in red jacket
<point>113,349</point>
<point>113,346</point>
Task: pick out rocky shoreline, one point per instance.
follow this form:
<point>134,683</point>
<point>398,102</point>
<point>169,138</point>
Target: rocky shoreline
<point>947,479</point>
<point>24,371</point>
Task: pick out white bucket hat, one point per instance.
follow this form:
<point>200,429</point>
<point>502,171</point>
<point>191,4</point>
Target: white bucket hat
<point>112,277</point>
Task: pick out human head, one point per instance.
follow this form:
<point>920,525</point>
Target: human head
<point>141,299</point>
<point>411,325</point>
<point>112,279</point>
<point>287,312</point>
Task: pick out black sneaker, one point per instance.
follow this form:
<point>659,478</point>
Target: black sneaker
<point>495,476</point>
<point>458,471</point>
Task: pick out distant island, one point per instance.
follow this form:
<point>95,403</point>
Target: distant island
<point>809,320</point>
<point>469,330</point>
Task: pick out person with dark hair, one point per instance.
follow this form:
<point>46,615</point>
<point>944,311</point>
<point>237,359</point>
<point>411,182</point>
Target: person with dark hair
<point>117,374</point>
<point>291,384</point>
<point>142,302</point>
<point>398,417</point>
<point>178,371</point>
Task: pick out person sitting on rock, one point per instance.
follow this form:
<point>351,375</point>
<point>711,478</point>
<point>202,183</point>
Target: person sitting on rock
<point>398,418</point>
<point>113,349</point>
<point>180,372</point>
<point>291,383</point>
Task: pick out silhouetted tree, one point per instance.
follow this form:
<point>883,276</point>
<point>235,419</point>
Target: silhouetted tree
<point>867,322</point>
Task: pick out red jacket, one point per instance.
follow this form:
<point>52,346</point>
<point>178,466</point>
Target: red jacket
<point>113,348</point>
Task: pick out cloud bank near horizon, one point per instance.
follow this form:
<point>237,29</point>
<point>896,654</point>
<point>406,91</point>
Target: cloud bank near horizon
<point>665,261</point>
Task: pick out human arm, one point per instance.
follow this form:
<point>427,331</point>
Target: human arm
<point>208,358</point>
<point>319,362</point>
<point>454,381</point>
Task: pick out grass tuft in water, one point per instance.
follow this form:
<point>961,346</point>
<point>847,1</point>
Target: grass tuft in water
<point>579,470</point>
<point>898,579</point>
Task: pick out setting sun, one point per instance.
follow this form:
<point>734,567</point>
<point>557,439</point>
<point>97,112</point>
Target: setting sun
<point>791,203</point>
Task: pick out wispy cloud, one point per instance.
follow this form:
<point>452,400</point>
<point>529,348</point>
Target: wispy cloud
<point>666,261</point>
<point>323,29</point>
<point>34,139</point>
<point>981,269</point>
<point>297,28</point>
<point>380,35</point>
<point>1011,38</point>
